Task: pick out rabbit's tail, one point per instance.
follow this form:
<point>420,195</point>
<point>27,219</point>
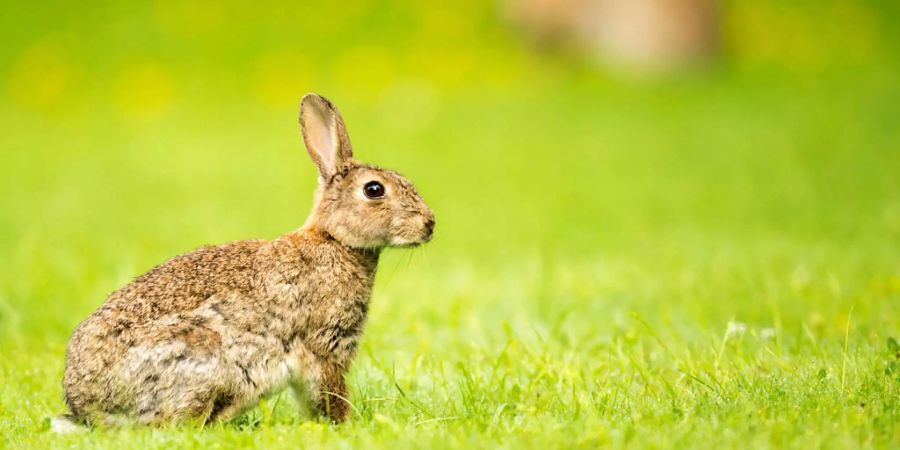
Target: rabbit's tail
<point>66,424</point>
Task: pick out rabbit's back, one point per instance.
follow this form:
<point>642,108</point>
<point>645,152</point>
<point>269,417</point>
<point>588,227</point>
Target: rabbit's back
<point>185,281</point>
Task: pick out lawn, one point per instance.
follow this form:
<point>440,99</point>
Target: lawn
<point>707,261</point>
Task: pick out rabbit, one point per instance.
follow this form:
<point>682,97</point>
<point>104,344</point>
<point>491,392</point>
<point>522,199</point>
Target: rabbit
<point>205,335</point>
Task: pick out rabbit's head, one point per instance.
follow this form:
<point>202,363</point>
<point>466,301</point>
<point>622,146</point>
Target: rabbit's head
<point>361,206</point>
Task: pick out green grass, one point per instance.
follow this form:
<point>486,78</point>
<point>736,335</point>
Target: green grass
<point>595,242</point>
<point>708,261</point>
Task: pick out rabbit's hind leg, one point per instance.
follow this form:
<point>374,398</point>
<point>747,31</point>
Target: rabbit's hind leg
<point>173,382</point>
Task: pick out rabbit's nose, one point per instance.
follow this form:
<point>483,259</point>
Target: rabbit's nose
<point>429,225</point>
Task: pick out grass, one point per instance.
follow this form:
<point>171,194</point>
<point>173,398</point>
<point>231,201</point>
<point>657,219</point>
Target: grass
<point>710,262</point>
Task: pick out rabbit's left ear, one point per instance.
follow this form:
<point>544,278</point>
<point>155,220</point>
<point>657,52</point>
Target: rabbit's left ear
<point>324,135</point>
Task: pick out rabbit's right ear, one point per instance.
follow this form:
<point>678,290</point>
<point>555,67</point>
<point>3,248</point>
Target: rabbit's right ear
<point>324,135</point>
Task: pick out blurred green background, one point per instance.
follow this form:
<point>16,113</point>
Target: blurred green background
<point>588,214</point>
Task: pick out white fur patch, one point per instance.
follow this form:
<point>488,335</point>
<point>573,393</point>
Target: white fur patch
<point>62,425</point>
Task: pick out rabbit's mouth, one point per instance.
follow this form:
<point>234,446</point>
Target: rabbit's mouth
<point>415,238</point>
<point>411,243</point>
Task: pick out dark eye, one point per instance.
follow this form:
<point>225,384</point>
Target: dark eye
<point>374,189</point>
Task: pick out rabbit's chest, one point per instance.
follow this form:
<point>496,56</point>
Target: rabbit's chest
<point>325,309</point>
<point>335,319</point>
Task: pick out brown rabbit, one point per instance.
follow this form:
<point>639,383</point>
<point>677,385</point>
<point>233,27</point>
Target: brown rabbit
<point>205,335</point>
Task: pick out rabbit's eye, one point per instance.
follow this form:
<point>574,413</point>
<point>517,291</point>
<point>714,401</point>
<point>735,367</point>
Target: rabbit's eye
<point>373,189</point>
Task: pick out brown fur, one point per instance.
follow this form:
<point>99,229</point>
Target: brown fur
<point>206,334</point>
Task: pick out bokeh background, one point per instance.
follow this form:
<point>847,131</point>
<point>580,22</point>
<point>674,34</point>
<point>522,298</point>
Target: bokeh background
<point>598,169</point>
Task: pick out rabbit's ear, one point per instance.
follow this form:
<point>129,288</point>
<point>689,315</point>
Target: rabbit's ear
<point>324,135</point>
